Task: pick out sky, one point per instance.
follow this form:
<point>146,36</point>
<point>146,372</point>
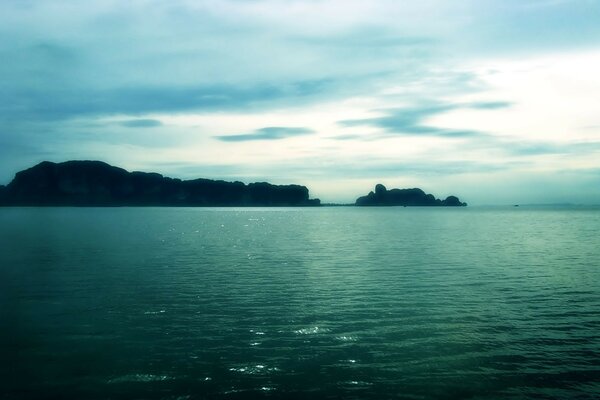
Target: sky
<point>495,101</point>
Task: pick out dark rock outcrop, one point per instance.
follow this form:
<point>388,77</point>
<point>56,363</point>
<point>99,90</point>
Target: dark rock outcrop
<point>453,201</point>
<point>405,197</point>
<point>95,183</point>
<point>2,194</point>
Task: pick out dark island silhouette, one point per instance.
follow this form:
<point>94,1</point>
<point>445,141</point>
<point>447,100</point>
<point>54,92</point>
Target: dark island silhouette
<point>405,197</point>
<point>96,183</point>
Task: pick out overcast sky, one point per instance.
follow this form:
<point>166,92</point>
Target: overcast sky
<point>496,101</point>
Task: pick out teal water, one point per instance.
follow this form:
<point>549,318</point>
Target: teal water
<point>186,303</point>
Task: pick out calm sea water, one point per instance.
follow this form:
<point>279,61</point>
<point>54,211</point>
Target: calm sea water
<point>186,303</point>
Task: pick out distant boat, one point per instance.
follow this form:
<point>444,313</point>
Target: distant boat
<point>516,205</point>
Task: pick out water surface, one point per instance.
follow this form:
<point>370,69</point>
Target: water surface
<point>415,303</point>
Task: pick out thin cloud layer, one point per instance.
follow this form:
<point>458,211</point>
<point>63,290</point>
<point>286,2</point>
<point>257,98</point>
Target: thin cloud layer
<point>141,123</point>
<point>268,133</point>
<point>412,120</point>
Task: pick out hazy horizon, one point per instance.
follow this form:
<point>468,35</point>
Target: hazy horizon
<point>493,102</point>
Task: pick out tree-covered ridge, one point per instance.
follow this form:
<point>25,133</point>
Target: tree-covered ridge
<point>95,183</point>
<point>404,197</point>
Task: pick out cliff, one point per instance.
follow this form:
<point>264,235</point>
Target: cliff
<point>95,183</point>
<point>405,197</point>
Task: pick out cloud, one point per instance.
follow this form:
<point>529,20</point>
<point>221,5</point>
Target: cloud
<point>489,105</point>
<point>34,103</point>
<point>547,148</point>
<point>102,67</point>
<point>268,133</point>
<point>411,120</point>
<point>141,123</point>
<point>347,137</point>
<point>366,39</point>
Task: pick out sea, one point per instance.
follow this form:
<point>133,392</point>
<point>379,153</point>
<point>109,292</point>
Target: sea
<point>300,303</point>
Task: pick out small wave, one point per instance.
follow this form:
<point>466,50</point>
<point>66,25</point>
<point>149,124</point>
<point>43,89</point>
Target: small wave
<point>154,312</point>
<point>346,338</point>
<point>140,378</point>
<point>254,369</point>
<point>357,383</point>
<point>312,330</point>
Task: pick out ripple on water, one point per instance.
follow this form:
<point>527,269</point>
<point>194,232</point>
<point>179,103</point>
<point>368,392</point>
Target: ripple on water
<point>314,330</point>
<point>356,384</point>
<point>254,369</point>
<point>346,338</point>
<point>140,378</point>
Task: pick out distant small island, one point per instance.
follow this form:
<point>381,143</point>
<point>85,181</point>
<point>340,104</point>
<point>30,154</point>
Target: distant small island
<point>96,183</point>
<point>405,197</point>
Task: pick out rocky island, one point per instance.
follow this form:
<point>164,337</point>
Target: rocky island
<point>95,183</point>
<point>405,197</point>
